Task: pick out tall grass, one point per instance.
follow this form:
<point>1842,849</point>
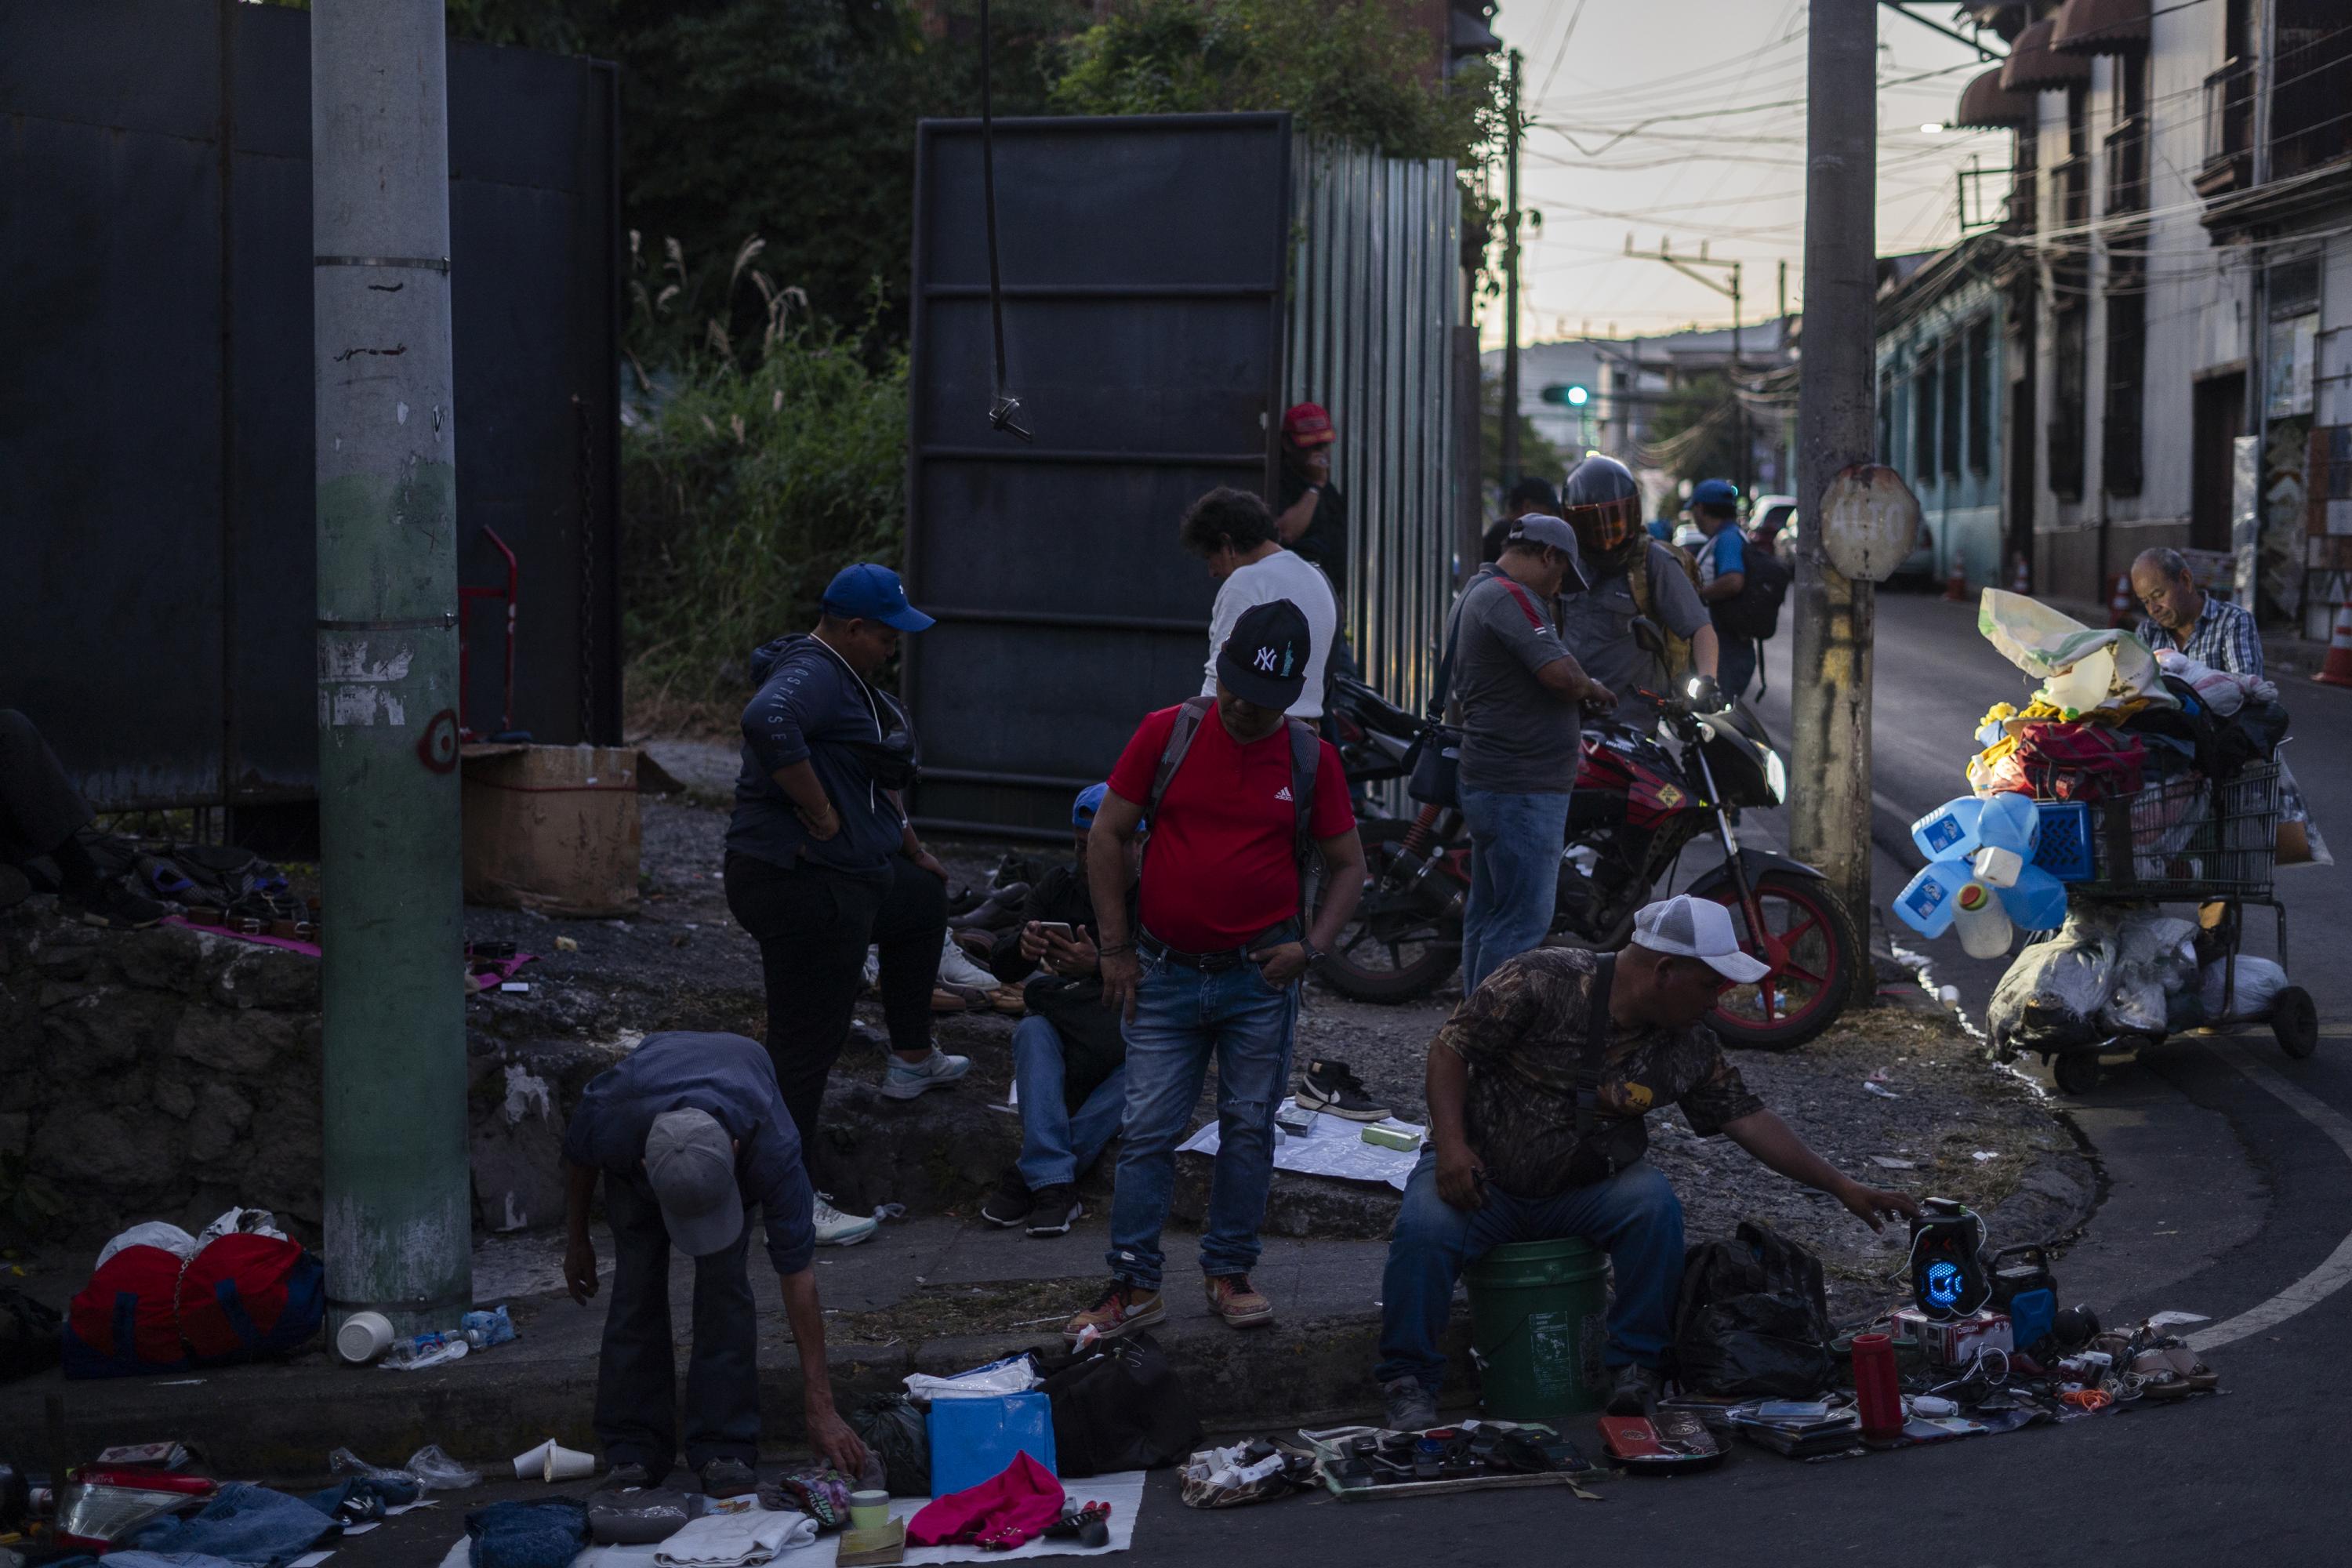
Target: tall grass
<point>756,473</point>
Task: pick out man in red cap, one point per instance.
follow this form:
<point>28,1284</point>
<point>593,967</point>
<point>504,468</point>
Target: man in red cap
<point>1310,513</point>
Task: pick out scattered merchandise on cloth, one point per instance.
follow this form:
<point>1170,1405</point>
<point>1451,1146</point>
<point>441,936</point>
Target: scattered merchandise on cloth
<point>1333,1146</point>
<point>244,1523</point>
<point>1244,1473</point>
<point>822,1495</point>
<point>735,1540</point>
<point>999,1513</point>
<point>544,1532</point>
<point>637,1516</point>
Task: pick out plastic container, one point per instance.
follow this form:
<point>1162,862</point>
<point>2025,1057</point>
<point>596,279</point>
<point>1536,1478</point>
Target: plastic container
<point>1948,832</point>
<point>973,1439</point>
<point>364,1337</point>
<point>483,1330</point>
<point>2006,834</point>
<point>1536,1329</point>
<point>1983,924</point>
<point>2038,902</point>
<point>869,1510</point>
<point>1877,1392</point>
<point>1926,902</point>
<point>2063,844</point>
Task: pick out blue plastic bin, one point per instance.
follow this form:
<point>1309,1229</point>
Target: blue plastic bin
<point>2064,848</point>
<point>973,1439</point>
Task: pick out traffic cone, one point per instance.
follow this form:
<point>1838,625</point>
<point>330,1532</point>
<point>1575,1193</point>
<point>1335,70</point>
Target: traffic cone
<point>1956,586</point>
<point>2021,574</point>
<point>2338,671</point>
<point>2122,610</point>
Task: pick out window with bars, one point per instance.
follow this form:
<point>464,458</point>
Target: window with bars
<point>1954,368</point>
<point>1981,398</point>
<point>2120,428</point>
<point>2066,411</point>
<point>1923,421</point>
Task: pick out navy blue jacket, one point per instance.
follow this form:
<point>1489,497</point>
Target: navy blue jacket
<point>808,706</point>
<point>731,1079</point>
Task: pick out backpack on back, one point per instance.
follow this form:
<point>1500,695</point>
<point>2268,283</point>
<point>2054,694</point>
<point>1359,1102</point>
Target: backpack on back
<point>1677,659</point>
<point>1755,611</point>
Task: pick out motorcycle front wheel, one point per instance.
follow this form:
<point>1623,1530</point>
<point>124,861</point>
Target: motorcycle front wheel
<point>1810,941</point>
<point>1397,947</point>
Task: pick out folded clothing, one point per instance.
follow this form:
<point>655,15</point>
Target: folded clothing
<point>734,1539</point>
<point>1000,1513</point>
<point>244,1523</point>
<point>637,1516</point>
<point>542,1534</point>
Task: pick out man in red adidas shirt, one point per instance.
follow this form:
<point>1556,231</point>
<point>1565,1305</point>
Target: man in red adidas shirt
<point>1215,965</point>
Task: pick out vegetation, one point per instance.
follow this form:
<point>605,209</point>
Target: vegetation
<point>1696,433</point>
<point>1537,457</point>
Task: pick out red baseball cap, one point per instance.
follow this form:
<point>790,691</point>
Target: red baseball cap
<point>1306,424</point>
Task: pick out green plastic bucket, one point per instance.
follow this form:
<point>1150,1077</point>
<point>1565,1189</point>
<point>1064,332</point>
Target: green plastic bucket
<point>1536,1329</point>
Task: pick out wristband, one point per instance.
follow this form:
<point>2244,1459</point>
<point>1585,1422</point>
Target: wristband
<point>1116,950</point>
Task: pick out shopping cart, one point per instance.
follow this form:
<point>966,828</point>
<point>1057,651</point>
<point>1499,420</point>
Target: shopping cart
<point>2209,843</point>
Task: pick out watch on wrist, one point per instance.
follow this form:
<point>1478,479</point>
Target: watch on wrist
<point>1311,955</point>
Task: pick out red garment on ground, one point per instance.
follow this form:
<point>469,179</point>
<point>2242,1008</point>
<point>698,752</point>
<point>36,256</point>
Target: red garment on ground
<point>1013,1508</point>
<point>1219,868</point>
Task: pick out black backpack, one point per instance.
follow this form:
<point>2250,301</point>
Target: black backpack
<point>1753,1319</point>
<point>1755,611</point>
<point>1119,1406</point>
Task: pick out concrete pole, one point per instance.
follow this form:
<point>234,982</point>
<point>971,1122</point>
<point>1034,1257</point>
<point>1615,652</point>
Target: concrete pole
<point>399,1208</point>
<point>1830,794</point>
<point>1509,456</point>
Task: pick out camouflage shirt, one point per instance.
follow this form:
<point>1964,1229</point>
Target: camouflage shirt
<point>1523,1034</point>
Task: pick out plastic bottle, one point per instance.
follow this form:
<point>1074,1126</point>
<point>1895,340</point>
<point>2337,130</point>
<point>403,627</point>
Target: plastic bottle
<point>1985,930</point>
<point>2038,901</point>
<point>1926,903</point>
<point>1948,832</point>
<point>483,1330</point>
<point>2008,828</point>
<point>425,1350</point>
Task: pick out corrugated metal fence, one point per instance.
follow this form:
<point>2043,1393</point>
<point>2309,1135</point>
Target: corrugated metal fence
<point>1375,294</point>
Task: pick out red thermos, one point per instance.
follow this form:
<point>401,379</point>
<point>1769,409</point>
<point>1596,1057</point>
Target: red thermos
<point>1878,1395</point>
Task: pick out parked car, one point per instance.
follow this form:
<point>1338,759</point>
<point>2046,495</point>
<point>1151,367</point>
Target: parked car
<point>1918,568</point>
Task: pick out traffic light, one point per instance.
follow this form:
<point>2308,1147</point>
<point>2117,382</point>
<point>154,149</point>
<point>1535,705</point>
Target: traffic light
<point>1572,395</point>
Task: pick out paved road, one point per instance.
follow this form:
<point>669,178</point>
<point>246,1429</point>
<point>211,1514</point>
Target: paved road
<point>2231,1190</point>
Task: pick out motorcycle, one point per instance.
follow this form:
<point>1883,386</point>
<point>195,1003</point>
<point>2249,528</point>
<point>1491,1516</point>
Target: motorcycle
<point>1636,804</point>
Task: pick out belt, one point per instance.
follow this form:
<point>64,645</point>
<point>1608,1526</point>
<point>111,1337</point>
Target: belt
<point>1222,958</point>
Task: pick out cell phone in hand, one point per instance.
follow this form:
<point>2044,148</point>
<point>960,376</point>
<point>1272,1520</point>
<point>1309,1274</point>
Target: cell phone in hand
<point>1061,928</point>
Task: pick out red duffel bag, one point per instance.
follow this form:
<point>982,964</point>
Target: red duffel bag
<point>126,1321</point>
<point>247,1295</point>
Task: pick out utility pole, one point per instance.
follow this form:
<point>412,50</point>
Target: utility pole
<point>1510,458</point>
<point>1688,266</point>
<point>398,1194</point>
<point>1830,693</point>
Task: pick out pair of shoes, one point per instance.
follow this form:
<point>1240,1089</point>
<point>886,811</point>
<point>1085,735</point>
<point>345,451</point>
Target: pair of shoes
<point>1634,1391</point>
<point>728,1477</point>
<point>834,1228</point>
<point>959,973</point>
<point>1123,1309</point>
<point>1333,1089</point>
<point>1411,1405</point>
<point>1232,1298</point>
<point>111,906</point>
<point>907,1081</point>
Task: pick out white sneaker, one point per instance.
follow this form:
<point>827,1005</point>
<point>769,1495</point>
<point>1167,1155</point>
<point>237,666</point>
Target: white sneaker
<point>834,1228</point>
<point>907,1081</point>
<point>956,968</point>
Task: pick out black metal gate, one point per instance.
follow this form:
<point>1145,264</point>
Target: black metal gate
<point>1143,262</point>
<point>156,451</point>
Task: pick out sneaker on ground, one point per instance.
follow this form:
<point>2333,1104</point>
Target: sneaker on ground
<point>728,1477</point>
<point>957,971</point>
<point>1010,1204</point>
<point>1333,1089</point>
<point>1123,1307</point>
<point>1232,1298</point>
<point>623,1475</point>
<point>112,905</point>
<point>907,1081</point>
<point>1411,1407</point>
<point>834,1228</point>
<point>1634,1390</point>
<point>1056,1208</point>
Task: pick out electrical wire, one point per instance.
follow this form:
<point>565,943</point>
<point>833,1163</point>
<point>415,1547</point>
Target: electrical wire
<point>1004,409</point>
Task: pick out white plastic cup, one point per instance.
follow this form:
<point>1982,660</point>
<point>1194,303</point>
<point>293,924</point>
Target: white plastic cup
<point>531,1461</point>
<point>562,1464</point>
<point>364,1337</point>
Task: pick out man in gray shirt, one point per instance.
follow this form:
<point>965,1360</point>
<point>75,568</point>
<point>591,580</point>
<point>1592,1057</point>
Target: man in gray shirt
<point>1522,696</point>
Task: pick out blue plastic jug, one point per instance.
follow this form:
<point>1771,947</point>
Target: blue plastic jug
<point>2038,901</point>
<point>2007,830</point>
<point>1930,899</point>
<point>1948,832</point>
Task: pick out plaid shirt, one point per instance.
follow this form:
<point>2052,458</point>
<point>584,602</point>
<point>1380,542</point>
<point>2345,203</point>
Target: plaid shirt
<point>2225,638</point>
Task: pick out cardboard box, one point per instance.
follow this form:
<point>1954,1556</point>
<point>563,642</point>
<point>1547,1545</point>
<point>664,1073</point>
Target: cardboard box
<point>1956,1341</point>
<point>552,829</point>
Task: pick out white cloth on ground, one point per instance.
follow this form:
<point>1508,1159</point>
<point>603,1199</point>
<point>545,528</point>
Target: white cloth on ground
<point>734,1539</point>
<point>1334,1146</point>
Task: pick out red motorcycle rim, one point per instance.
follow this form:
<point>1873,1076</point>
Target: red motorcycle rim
<point>1799,942</point>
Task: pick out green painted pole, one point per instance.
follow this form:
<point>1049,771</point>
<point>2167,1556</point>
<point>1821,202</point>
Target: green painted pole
<point>398,1202</point>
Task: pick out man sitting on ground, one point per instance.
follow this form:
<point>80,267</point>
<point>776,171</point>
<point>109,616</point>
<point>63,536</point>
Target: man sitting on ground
<point>2183,616</point>
<point>1069,1059</point>
<point>1519,1151</point>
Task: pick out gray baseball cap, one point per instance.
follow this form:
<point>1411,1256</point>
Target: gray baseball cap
<point>1700,929</point>
<point>690,1164</point>
<point>1535,528</point>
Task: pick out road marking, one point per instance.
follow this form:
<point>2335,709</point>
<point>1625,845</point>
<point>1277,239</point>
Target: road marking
<point>2336,1271</point>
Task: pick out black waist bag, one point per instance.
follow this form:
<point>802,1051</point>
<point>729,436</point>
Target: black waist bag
<point>1120,1407</point>
<point>1753,1319</point>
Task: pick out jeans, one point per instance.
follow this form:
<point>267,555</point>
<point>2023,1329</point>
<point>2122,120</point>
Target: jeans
<point>1633,1215</point>
<point>1183,1016</point>
<point>813,924</point>
<point>1057,1143</point>
<point>1735,663</point>
<point>1515,847</point>
<point>636,1375</point>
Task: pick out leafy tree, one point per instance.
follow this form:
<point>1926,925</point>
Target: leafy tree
<point>1695,434</point>
<point>1537,455</point>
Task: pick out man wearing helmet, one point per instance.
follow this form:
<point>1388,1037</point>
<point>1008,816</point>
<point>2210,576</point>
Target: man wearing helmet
<point>1633,576</point>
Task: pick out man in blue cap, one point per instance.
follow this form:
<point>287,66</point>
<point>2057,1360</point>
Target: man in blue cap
<point>1722,570</point>
<point>1069,1058</point>
<point>821,862</point>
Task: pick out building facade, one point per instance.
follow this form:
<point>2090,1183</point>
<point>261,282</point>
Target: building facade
<point>1943,325</point>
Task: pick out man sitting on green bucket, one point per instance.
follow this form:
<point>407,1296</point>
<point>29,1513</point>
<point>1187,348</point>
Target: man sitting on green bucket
<point>1536,1135</point>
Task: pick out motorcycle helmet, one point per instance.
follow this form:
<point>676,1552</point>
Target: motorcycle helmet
<point>1603,504</point>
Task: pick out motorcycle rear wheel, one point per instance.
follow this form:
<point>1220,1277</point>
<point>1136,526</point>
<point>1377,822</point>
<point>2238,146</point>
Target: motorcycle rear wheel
<point>1813,978</point>
<point>1409,957</point>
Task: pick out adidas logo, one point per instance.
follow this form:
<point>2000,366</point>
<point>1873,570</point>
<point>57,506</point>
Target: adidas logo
<point>1283,793</point>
